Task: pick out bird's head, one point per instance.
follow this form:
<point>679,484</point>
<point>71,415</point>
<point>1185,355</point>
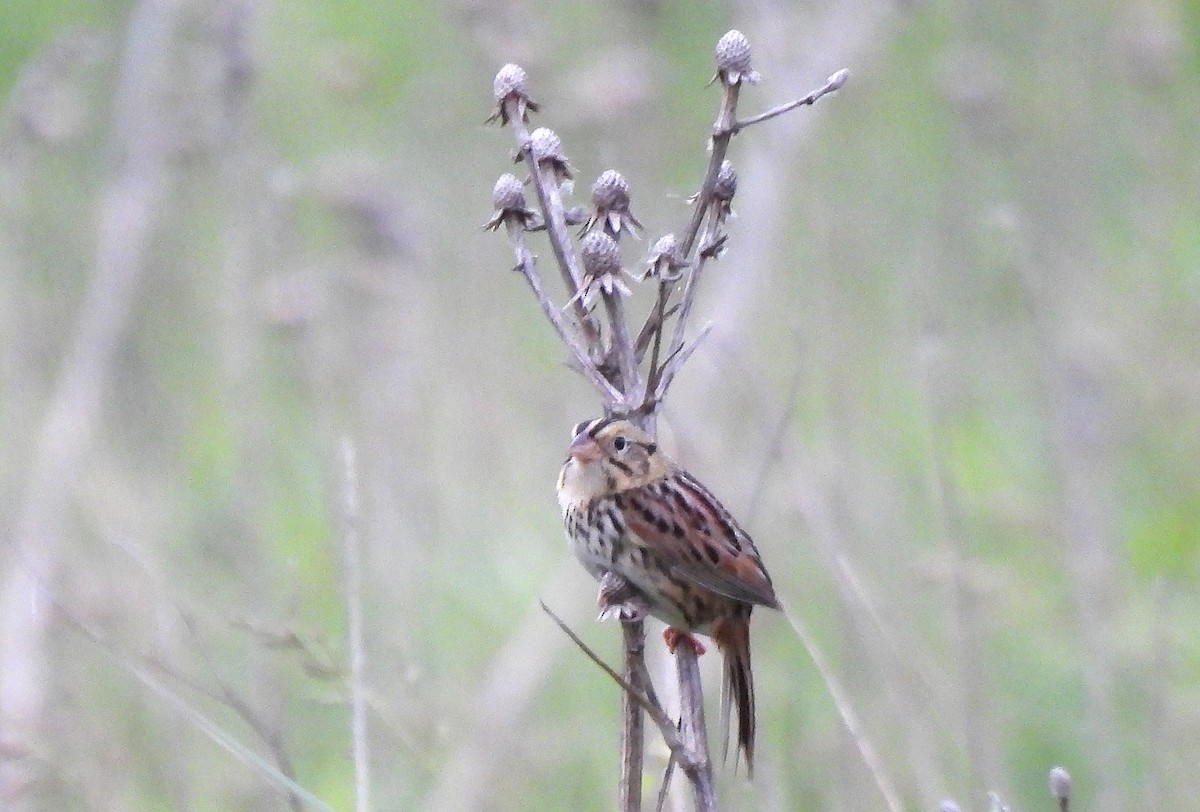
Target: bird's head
<point>610,455</point>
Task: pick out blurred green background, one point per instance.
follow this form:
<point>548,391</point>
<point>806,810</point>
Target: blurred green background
<point>952,389</point>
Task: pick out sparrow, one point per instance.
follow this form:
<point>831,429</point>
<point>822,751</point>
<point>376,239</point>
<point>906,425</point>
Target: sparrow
<point>660,543</point>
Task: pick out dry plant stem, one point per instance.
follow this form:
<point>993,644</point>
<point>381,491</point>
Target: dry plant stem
<point>633,733</point>
<point>631,382</point>
<point>688,742</point>
<point>352,552</point>
<point>648,703</point>
<point>692,730</point>
<point>833,83</point>
<point>849,718</point>
<point>665,787</point>
<point>724,128</point>
<point>270,735</point>
<point>657,317</point>
<point>283,778</point>
<point>676,360</point>
<point>528,269</point>
<point>556,227</point>
<point>722,133</point>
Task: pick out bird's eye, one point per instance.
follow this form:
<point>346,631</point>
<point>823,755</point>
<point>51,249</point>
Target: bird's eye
<point>619,442</point>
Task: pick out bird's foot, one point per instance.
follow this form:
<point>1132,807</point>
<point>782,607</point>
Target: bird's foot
<point>674,637</point>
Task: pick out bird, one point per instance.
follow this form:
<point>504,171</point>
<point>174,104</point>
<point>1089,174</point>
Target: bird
<point>660,543</point>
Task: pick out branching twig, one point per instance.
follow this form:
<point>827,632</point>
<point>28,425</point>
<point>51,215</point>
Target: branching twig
<point>651,706</point>
<point>675,361</point>
<point>615,370</point>
<point>527,268</point>
<point>556,228</point>
<point>832,84</point>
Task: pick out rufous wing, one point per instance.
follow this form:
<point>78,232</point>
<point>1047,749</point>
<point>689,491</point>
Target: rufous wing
<point>688,529</point>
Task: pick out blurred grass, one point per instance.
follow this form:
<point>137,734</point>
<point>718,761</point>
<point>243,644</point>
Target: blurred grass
<point>988,232</point>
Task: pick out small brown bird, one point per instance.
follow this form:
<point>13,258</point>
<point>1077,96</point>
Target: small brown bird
<point>658,541</point>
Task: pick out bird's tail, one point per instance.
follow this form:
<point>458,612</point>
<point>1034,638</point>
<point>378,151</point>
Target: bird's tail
<point>737,688</point>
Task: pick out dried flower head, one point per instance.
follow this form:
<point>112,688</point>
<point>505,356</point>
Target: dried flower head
<point>610,202</point>
<point>601,266</point>
<point>546,147</point>
<point>733,60</point>
<point>665,261</point>
<point>724,189</point>
<point>726,185</point>
<point>1060,787</point>
<point>511,90</point>
<point>508,200</point>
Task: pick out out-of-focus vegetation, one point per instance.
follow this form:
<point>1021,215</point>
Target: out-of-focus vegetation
<point>953,390</point>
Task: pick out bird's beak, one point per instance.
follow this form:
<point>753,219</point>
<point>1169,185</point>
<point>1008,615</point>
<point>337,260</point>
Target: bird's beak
<point>584,448</point>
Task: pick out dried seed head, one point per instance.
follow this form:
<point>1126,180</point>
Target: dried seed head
<point>665,246</point>
<point>733,52</point>
<point>511,90</point>
<point>610,191</point>
<point>610,202</point>
<point>601,255</point>
<point>1060,785</point>
<point>510,80</point>
<point>601,267</point>
<point>546,147</point>
<point>508,200</point>
<point>546,144</point>
<point>665,261</point>
<point>733,59</point>
<point>508,193</point>
<point>726,186</point>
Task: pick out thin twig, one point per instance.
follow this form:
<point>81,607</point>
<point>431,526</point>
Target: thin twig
<point>665,788</point>
<point>282,778</point>
<point>555,222</point>
<point>352,552</point>
<point>701,205</point>
<point>652,330</point>
<point>722,133</point>
<point>832,84</point>
<point>527,268</point>
<point>665,725</point>
<point>849,718</point>
<point>673,363</point>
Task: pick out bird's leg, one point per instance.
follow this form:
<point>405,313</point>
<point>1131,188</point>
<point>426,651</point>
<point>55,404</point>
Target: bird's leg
<point>618,599</point>
<point>674,637</point>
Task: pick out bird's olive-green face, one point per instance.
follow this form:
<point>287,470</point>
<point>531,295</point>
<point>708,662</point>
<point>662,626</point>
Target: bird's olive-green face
<point>625,452</point>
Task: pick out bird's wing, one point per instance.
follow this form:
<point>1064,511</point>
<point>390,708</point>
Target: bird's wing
<point>690,531</point>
